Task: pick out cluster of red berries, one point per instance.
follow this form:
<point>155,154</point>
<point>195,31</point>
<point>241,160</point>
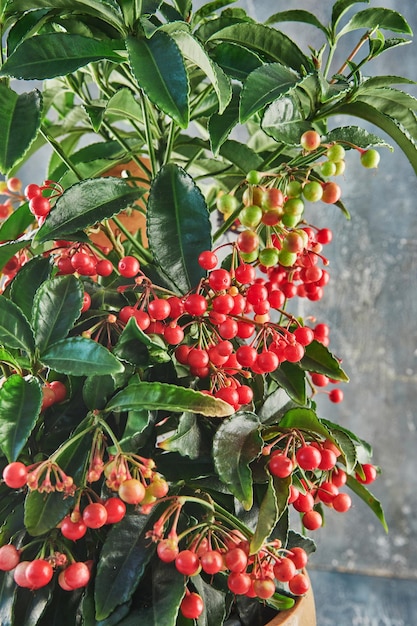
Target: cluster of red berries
<point>40,204</point>
<point>216,550</point>
<point>316,477</point>
<point>39,572</point>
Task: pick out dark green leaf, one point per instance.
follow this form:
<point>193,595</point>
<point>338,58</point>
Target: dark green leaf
<point>20,117</point>
<point>86,203</point>
<point>97,390</point>
<point>43,511</point>
<point>154,396</point>
<point>268,42</point>
<point>296,15</point>
<point>16,223</point>
<point>264,85</point>
<point>8,591</point>
<point>236,60</point>
<point>267,518</point>
<point>194,52</point>
<point>340,7</point>
<point>135,430</point>
<point>304,419</point>
<point>10,360</point>
<point>284,120</point>
<point>377,17</point>
<point>178,226</point>
<point>56,54</point>
<point>370,500</point>
<point>317,358</point>
<point>123,104</point>
<point>274,406</point>
<point>28,279</point>
<point>56,307</point>
<point>209,8</point>
<point>346,445</point>
<point>23,26</point>
<point>240,155</point>
<point>81,357</point>
<point>15,330</point>
<point>138,348</point>
<point>237,442</point>
<point>31,605</point>
<point>220,126</point>
<point>160,71</point>
<point>214,602</point>
<point>291,378</point>
<point>359,443</point>
<point>187,438</point>
<point>124,556</point>
<point>20,403</point>
<point>356,136</point>
<point>8,250</point>
<point>168,587</point>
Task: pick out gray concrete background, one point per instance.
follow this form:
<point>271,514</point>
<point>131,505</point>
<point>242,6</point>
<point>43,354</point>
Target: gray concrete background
<point>371,306</point>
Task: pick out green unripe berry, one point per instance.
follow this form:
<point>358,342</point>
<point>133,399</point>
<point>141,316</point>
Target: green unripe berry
<point>370,158</point>
<point>294,206</point>
<point>328,168</point>
<point>249,257</point>
<point>312,191</point>
<point>268,257</point>
<point>340,167</point>
<point>310,140</point>
<point>227,203</point>
<point>254,177</point>
<point>294,189</point>
<point>336,152</point>
<point>250,216</point>
<point>290,221</point>
<point>286,258</point>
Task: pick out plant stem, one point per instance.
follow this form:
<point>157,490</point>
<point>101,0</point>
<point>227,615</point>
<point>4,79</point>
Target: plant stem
<point>169,142</point>
<point>146,255</point>
<point>354,52</point>
<point>58,150</point>
<point>148,134</point>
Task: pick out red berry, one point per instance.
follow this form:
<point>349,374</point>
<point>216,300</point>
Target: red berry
<point>132,491</point>
<point>38,573</point>
<point>192,606</point>
<point>298,556</point>
<point>369,474</point>
<point>187,562</point>
<point>19,574</point>
<point>104,267</point>
<point>159,309</point>
<point>239,582</point>
<point>336,395</point>
<point>264,588</point>
<point>15,475</point>
<point>77,575</point>
<point>167,550</point>
<point>342,502</point>
<point>207,260</point>
<point>195,304</point>
<point>94,515</point>
<point>304,502</point>
<point>128,266</point>
<point>308,457</point>
<point>281,465</point>
<point>236,560</point>
<point>211,562</point>
<point>9,557</point>
<point>73,530</point>
<point>299,585</point>
<point>116,510</point>
<point>284,569</point>
<point>39,206</point>
<point>220,279</point>
<point>59,390</point>
<point>312,520</point>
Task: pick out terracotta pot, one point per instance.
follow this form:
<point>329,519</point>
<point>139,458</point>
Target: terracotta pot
<point>303,613</point>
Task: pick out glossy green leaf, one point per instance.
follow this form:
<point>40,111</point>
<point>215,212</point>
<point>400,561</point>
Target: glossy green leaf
<point>97,390</point>
<point>220,126</point>
<point>43,511</point>
<point>194,52</point>
<point>186,440</point>
<point>20,403</point>
<point>404,136</point>
<point>268,42</point>
<point>9,360</point>
<point>237,442</point>
<point>370,500</point>
<point>292,379</point>
<point>31,607</point>
<point>81,357</point>
<point>138,348</point>
<point>160,71</point>
<point>304,419</point>
<point>56,307</point>
<point>284,120</point>
<point>340,7</point>
<point>377,17</point>
<point>106,10</point>
<point>275,404</point>
<point>28,279</point>
<point>9,249</point>
<point>16,223</point>
<point>86,203</point>
<point>240,155</point>
<point>124,104</point>
<point>264,85</point>
<point>124,556</point>
<point>155,396</point>
<point>296,15</point>
<point>236,60</point>
<point>168,588</point>
<point>20,117</point>
<point>178,226</point>
<point>317,358</point>
<point>15,330</point>
<point>56,54</point>
<point>345,443</point>
<point>8,591</point>
<point>267,518</point>
<point>356,136</point>
<point>214,612</point>
<point>135,431</point>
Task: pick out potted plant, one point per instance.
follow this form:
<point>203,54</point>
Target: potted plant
<point>163,459</point>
